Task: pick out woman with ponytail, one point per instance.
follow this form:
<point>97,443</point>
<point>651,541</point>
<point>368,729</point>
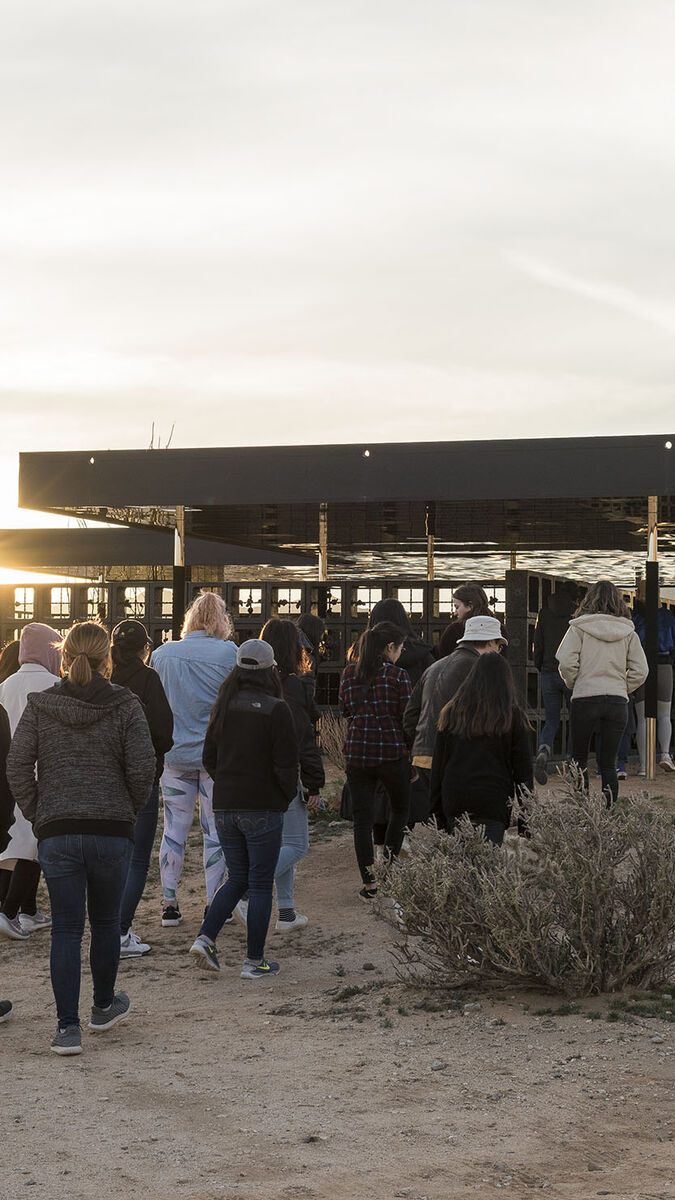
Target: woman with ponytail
<point>373,695</point>
<point>95,766</point>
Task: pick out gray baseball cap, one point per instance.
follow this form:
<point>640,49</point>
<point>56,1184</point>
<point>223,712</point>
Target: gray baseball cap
<point>255,655</point>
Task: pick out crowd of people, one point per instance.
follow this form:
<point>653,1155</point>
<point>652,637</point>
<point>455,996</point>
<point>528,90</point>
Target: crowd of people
<point>93,730</point>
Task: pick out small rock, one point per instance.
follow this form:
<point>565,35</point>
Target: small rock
<point>657,1039</point>
<point>315,1137</point>
<point>368,966</point>
<point>593,1166</point>
<point>439,1065</point>
<point>473,1007</point>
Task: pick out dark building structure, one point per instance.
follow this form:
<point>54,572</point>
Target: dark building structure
<point>331,529</point>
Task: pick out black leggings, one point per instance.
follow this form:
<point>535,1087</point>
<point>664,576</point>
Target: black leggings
<point>604,716</point>
<point>20,888</point>
<point>395,775</point>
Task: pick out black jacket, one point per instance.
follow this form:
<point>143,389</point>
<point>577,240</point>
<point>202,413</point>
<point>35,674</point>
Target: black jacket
<point>145,683</point>
<point>480,776</point>
<point>552,625</point>
<point>6,798</point>
<point>251,753</point>
<point>299,699</point>
<point>416,656</point>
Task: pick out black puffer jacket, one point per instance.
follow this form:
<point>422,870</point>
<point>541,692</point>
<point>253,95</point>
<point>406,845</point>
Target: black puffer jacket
<point>299,700</point>
<point>145,683</point>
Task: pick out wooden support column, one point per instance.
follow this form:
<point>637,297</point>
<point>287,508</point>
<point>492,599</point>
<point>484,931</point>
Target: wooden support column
<point>179,576</point>
<point>652,633</point>
<point>323,542</point>
<point>430,529</point>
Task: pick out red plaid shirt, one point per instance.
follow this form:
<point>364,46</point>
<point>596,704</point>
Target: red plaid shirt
<point>375,714</point>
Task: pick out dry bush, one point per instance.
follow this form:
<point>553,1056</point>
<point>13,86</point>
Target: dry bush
<point>585,905</point>
<point>332,734</point>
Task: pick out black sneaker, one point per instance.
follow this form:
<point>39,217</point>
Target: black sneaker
<point>171,915</point>
<point>5,1010</point>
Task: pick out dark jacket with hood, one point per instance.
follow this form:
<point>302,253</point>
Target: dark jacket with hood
<point>299,700</point>
<point>552,625</point>
<point>6,797</point>
<point>416,656</point>
<point>95,760</point>
<point>145,683</point>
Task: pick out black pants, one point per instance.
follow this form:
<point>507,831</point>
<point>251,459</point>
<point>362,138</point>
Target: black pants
<point>395,775</point>
<point>604,716</point>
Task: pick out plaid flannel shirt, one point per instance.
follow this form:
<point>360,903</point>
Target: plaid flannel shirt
<point>374,712</point>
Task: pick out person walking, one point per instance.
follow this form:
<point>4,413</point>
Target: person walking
<point>39,668</point>
<point>95,765</point>
<point>552,624</point>
<point>192,671</point>
<point>439,683</point>
<point>9,659</point>
<point>373,695</point>
<point>469,600</point>
<point>293,666</point>
<point>664,687</point>
<point>6,816</point>
<point>601,660</point>
<point>130,648</point>
<point>483,752</point>
<point>251,754</point>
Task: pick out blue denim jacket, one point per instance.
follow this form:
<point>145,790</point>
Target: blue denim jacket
<point>191,672</point>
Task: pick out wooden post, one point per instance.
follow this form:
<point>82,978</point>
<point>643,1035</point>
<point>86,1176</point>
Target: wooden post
<point>651,633</point>
<point>430,529</point>
<point>178,597</point>
<point>513,564</point>
<point>323,542</point>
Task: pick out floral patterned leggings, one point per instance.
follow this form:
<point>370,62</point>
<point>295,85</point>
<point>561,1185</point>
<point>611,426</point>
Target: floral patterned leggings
<point>180,789</point>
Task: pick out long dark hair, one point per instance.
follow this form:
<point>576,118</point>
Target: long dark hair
<point>371,646</point>
<point>475,597</point>
<point>486,703</point>
<point>283,636</point>
<point>391,610</point>
<point>9,660</point>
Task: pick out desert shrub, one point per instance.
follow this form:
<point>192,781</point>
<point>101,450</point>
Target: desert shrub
<point>332,733</point>
<point>585,905</point>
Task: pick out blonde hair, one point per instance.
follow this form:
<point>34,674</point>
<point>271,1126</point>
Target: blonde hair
<point>86,651</point>
<point>209,613</point>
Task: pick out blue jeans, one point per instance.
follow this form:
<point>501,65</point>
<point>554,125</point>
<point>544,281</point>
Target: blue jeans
<point>294,846</point>
<point>553,692</point>
<point>251,842</point>
<point>79,867</point>
<point>144,838</point>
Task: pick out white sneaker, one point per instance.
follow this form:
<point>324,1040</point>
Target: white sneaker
<point>241,911</point>
<point>666,763</point>
<point>131,946</point>
<point>32,922</point>
<point>11,927</point>
<point>286,926</point>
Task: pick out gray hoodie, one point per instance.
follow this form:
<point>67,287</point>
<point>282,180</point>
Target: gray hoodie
<point>94,755</point>
<point>601,655</point>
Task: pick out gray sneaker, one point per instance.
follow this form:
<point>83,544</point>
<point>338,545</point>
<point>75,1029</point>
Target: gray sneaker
<point>68,1040</point>
<point>105,1018</point>
<point>11,928</point>
<point>204,951</point>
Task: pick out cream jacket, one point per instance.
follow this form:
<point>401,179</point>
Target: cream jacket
<point>601,655</point>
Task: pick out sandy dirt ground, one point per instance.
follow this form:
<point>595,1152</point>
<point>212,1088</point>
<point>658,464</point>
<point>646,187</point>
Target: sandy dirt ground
<point>301,1086</point>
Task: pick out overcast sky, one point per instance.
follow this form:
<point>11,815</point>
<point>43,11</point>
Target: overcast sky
<point>309,221</point>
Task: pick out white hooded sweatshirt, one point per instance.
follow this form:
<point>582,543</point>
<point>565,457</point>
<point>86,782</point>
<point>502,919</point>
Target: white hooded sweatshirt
<point>601,655</point>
